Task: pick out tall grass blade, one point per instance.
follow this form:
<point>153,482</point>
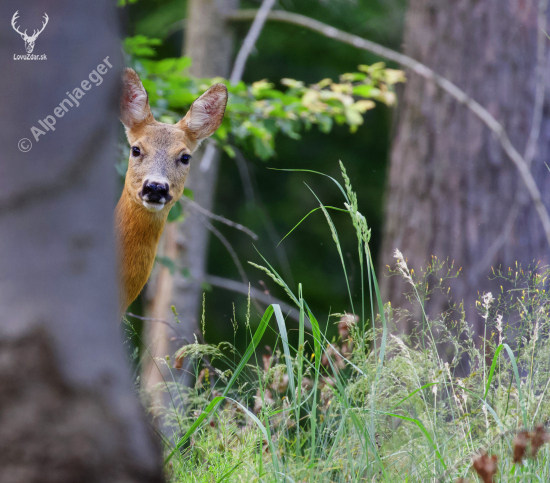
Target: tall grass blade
<point>316,172</point>
<point>286,349</point>
<point>518,382</point>
<point>492,370</point>
<point>217,400</point>
<point>265,431</point>
<point>338,246</point>
<point>317,355</point>
<point>424,431</point>
<point>312,211</point>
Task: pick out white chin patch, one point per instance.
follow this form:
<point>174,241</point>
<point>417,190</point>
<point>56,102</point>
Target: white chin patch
<point>153,206</point>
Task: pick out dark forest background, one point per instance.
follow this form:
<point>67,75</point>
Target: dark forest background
<point>281,199</point>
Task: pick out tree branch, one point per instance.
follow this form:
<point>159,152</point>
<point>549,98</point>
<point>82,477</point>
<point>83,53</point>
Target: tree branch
<point>229,248</point>
<point>458,94</point>
<point>238,287</point>
<point>209,214</point>
<point>260,17</point>
<point>256,294</point>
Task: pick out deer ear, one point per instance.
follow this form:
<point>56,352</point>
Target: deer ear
<point>134,104</point>
<point>205,114</point>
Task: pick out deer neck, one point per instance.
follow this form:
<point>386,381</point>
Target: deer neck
<point>138,232</point>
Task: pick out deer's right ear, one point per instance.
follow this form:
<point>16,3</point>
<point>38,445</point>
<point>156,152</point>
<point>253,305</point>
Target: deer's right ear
<point>134,104</point>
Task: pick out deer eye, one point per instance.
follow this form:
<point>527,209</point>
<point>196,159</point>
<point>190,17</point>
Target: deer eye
<point>185,158</point>
<point>135,151</point>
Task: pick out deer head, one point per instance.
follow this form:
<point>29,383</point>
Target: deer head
<point>160,153</point>
<point>29,41</point>
<point>159,163</point>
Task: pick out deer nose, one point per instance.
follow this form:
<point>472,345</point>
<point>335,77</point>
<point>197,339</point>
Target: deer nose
<point>155,191</point>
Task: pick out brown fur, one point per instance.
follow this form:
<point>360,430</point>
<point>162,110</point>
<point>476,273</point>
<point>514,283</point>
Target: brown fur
<point>161,146</point>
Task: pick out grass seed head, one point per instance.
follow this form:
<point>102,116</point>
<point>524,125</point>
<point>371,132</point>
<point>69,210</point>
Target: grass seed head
<point>486,467</point>
<point>538,438</point>
<point>520,445</point>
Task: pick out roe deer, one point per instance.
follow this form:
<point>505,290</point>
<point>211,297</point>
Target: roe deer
<point>157,169</point>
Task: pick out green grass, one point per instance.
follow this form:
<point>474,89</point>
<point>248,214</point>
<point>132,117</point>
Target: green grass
<point>371,405</point>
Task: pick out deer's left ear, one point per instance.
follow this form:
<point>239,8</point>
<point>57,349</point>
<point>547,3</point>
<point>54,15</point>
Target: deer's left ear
<point>205,114</point>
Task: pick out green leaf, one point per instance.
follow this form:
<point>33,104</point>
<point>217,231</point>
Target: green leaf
<point>363,90</point>
<point>325,123</point>
<point>353,77</point>
<point>175,213</point>
<point>141,46</point>
<point>181,99</point>
<point>353,117</point>
<point>188,193</point>
<point>167,262</point>
<point>171,65</point>
<point>263,149</point>
<point>229,150</point>
<point>167,119</point>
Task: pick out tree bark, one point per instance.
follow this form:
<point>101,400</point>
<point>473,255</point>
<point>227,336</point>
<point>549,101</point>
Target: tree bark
<point>161,329</point>
<point>67,408</point>
<point>452,192</point>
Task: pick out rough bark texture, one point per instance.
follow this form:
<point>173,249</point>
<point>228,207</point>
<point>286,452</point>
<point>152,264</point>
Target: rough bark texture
<point>160,330</point>
<point>451,188</point>
<point>67,407</point>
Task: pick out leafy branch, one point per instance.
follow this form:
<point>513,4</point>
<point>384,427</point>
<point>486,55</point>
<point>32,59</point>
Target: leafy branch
<point>257,112</point>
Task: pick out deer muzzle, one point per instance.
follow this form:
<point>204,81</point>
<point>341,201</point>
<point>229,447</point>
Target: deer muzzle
<point>155,194</point>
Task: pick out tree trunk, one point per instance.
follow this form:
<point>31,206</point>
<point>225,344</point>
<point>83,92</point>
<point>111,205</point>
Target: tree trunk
<point>161,328</point>
<point>67,408</point>
<point>452,191</point>
<point>209,43</point>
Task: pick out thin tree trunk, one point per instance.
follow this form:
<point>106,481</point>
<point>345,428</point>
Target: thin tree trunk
<point>160,330</point>
<point>67,408</point>
<point>452,192</point>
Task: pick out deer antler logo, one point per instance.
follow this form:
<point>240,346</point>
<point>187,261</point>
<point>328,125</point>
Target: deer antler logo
<point>29,40</point>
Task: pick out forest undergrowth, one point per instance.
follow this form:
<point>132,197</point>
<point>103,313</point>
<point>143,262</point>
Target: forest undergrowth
<point>370,404</point>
